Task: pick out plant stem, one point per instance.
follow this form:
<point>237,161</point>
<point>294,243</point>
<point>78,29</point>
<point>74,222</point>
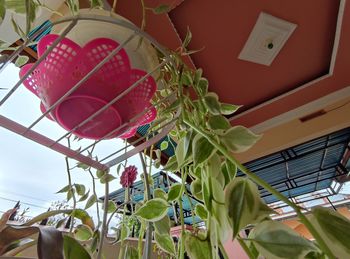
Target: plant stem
<point>148,245</point>
<point>104,220</point>
<point>182,220</point>
<point>139,245</point>
<point>94,192</point>
<point>73,194</point>
<point>182,247</point>
<point>266,186</point>
<point>245,248</point>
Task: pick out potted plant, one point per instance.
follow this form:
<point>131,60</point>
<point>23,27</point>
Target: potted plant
<point>206,144</point>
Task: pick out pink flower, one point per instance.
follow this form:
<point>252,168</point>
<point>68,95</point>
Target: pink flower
<point>128,176</point>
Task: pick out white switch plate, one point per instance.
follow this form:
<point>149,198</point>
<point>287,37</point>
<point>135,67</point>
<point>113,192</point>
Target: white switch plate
<point>268,29</point>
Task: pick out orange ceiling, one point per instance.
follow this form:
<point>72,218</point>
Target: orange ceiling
<point>222,29</point>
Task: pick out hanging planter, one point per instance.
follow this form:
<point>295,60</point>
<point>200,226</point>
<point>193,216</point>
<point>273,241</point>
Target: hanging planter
<point>75,56</point>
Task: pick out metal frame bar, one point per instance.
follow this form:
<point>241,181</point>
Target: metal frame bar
<point>55,145</point>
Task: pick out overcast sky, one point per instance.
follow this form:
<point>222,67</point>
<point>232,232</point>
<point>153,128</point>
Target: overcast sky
<point>30,172</point>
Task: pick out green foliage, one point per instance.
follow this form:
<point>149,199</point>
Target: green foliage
<point>153,210</point>
<point>334,229</point>
<point>64,189</point>
<point>107,178</point>
<point>131,253</point>
<point>164,145</point>
<point>100,173</point>
<point>80,189</point>
<point>166,243</point>
<point>162,226</point>
<point>196,189</point>
<point>275,240</point>
<point>218,122</point>
<point>2,10</point>
<point>229,170</point>
<point>18,6</point>
<point>171,165</point>
<point>211,101</point>
<point>91,201</point>
<point>185,43</point>
<point>159,193</point>
<point>83,232</point>
<point>183,149</point>
<point>197,248</point>
<point>175,192</point>
<point>21,61</point>
<point>85,196</point>
<point>111,206</point>
<point>125,232</point>
<point>161,9</point>
<point>83,166</point>
<point>73,6</point>
<point>239,139</point>
<point>243,203</point>
<point>228,109</point>
<point>201,149</point>
<point>73,249</point>
<point>201,211</point>
<point>96,3</point>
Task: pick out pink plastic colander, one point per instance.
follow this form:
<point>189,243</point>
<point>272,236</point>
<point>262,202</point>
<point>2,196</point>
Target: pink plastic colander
<point>67,64</point>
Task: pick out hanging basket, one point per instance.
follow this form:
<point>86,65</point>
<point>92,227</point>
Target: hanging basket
<point>74,57</point>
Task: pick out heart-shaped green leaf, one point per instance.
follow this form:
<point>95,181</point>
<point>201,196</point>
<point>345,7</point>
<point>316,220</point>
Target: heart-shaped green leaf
<point>166,243</point>
<point>196,189</point>
<point>242,202</point>
<point>228,109</point>
<point>107,178</point>
<point>164,145</point>
<point>275,240</point>
<point>218,122</point>
<point>171,165</point>
<point>201,211</point>
<point>183,148</point>
<point>153,210</point>
<point>197,248</point>
<point>73,249</point>
<point>211,101</point>
<point>83,232</point>
<point>159,193</point>
<point>162,226</point>
<point>175,192</point>
<point>80,188</point>
<point>334,229</point>
<point>239,139</point>
<point>201,149</point>
<point>111,206</point>
<point>85,196</point>
<point>91,201</point>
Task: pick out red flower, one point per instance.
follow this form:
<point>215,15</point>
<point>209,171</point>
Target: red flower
<point>128,176</point>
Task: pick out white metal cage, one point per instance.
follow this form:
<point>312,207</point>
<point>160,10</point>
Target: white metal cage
<point>84,153</point>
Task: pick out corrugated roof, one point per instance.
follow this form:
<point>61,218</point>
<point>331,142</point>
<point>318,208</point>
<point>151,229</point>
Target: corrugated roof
<point>304,168</point>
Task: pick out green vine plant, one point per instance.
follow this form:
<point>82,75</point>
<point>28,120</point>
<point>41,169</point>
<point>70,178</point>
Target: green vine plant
<point>206,144</point>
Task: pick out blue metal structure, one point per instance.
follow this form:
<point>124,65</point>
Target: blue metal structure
<point>42,34</point>
<point>304,168</point>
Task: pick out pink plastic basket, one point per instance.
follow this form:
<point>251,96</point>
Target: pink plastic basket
<point>67,64</point>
